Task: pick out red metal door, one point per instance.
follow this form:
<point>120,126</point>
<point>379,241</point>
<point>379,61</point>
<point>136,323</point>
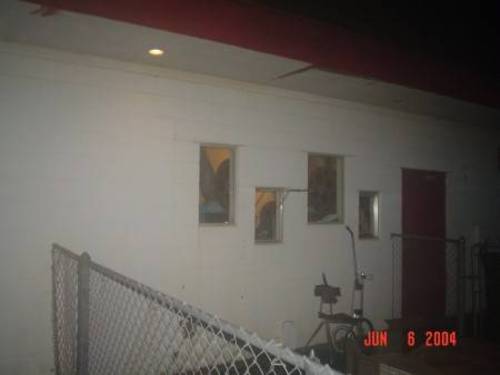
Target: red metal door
<point>423,264</point>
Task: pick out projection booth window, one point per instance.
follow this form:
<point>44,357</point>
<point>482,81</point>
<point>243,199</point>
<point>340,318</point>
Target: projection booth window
<point>216,185</point>
<point>324,198</point>
<point>368,214</point>
<point>268,215</point>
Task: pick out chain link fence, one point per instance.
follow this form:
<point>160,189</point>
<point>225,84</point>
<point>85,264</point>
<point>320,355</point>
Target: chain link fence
<point>452,257</point>
<point>107,323</point>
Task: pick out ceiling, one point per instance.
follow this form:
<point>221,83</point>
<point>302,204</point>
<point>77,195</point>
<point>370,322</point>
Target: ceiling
<point>124,41</point>
<point>455,32</point>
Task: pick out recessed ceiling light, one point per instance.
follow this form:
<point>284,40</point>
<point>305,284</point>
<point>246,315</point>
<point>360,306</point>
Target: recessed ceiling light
<point>155,52</point>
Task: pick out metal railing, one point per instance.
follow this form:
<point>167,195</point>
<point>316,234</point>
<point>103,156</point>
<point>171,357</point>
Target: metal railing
<point>454,267</point>
<point>107,323</point>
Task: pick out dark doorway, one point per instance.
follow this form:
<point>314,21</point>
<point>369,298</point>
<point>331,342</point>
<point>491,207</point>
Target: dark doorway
<point>423,265</point>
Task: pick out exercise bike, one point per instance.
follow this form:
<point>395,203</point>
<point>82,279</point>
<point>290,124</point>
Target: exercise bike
<point>340,327</point>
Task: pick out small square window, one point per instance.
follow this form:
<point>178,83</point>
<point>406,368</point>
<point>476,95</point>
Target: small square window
<point>216,185</point>
<point>268,215</point>
<point>324,198</point>
<point>368,214</point>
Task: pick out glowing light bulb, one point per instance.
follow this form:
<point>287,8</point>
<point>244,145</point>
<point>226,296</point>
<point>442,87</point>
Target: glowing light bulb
<point>155,52</point>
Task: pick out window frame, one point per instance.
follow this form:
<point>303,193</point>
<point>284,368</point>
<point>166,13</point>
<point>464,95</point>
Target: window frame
<point>340,163</point>
<point>374,214</point>
<point>279,215</point>
<point>232,185</point>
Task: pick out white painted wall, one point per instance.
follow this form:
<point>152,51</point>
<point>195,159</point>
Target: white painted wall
<point>102,156</point>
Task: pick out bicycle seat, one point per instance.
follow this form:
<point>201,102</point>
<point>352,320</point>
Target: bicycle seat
<point>338,318</point>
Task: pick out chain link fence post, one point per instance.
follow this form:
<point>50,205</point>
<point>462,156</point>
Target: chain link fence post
<point>55,325</point>
<point>83,314</point>
<point>461,301</point>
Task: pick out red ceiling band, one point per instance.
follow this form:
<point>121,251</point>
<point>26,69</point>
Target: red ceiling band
<point>266,30</point>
